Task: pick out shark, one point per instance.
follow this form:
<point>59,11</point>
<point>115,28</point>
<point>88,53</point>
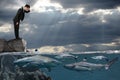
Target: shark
<point>87,66</point>
<point>65,56</point>
<point>36,62</point>
<point>99,57</point>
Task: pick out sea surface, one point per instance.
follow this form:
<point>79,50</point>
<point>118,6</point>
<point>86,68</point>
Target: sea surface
<point>113,73</point>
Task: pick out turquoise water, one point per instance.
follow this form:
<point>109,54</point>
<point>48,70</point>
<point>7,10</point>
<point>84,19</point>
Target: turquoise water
<point>113,73</point>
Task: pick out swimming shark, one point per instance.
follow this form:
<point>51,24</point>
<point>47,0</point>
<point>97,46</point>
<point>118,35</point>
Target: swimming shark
<point>99,57</point>
<point>65,56</point>
<point>36,62</point>
<point>87,66</point>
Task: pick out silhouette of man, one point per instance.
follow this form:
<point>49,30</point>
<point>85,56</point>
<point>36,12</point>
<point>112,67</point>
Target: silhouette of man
<point>20,17</point>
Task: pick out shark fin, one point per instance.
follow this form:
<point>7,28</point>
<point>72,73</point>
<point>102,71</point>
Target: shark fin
<point>110,63</point>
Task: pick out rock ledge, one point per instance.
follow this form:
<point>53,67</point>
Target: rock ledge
<point>13,45</point>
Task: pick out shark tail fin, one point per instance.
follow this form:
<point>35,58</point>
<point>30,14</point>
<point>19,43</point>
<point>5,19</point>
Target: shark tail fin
<point>110,63</point>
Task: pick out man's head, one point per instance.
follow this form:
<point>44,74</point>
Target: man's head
<point>27,8</point>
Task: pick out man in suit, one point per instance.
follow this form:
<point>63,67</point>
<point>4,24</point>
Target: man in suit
<point>20,17</point>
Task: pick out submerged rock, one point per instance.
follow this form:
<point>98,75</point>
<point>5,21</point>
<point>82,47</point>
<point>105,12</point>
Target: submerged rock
<point>14,45</point>
<point>8,71</point>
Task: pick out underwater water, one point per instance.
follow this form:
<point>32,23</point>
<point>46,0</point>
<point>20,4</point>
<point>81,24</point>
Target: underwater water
<point>9,72</point>
<point>113,73</point>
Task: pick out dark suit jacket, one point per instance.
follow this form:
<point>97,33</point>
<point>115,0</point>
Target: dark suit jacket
<point>19,16</point>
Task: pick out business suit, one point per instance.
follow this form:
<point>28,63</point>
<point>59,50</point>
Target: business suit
<point>19,17</point>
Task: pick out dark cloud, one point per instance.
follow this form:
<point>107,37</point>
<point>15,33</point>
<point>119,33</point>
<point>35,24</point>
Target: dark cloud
<point>7,15</point>
<point>66,28</point>
<point>112,28</point>
<point>7,12</point>
<point>5,3</point>
<point>89,4</point>
<point>57,28</point>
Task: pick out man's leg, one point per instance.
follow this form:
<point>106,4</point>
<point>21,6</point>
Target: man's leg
<point>16,30</point>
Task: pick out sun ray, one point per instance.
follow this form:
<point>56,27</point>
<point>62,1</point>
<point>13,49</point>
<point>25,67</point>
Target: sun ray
<point>42,5</point>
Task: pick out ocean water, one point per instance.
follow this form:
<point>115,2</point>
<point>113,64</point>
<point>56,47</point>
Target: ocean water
<point>8,72</point>
<point>113,73</point>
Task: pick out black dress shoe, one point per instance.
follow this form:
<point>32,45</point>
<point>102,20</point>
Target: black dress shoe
<point>18,38</point>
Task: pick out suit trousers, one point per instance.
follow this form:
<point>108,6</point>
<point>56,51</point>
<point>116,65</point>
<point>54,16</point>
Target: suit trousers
<point>16,30</point>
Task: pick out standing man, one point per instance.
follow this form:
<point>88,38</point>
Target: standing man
<point>20,17</point>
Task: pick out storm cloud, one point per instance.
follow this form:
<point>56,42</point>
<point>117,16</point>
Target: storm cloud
<point>67,25</point>
<point>89,4</point>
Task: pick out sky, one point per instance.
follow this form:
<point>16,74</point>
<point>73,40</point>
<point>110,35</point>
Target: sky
<point>64,25</point>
